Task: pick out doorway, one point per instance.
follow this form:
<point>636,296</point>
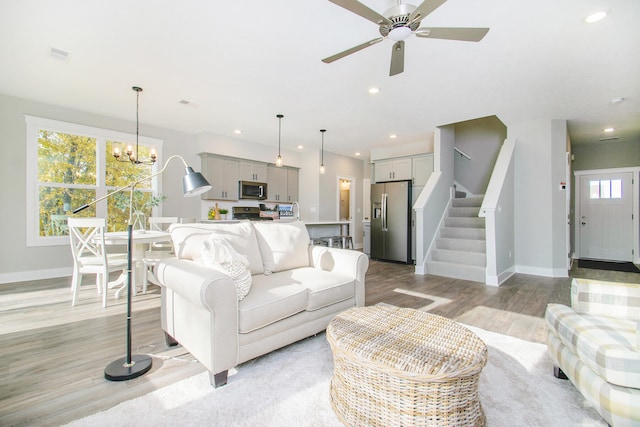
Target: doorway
<point>605,216</point>
<point>346,200</point>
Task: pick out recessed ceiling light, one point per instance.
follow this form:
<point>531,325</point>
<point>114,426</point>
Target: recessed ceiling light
<point>237,131</point>
<point>608,130</point>
<point>357,153</point>
<point>374,90</point>
<point>617,100</point>
<point>58,53</point>
<point>300,147</point>
<point>596,16</point>
<point>393,136</point>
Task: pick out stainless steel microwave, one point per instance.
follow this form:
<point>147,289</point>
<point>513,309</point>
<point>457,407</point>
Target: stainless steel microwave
<point>252,190</point>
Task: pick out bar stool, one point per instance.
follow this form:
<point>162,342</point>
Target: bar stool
<point>347,242</point>
<point>319,241</point>
<point>333,241</point>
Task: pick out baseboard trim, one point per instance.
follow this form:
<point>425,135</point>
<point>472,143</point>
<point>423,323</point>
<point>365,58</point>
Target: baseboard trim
<point>500,278</point>
<point>26,276</point>
<point>544,272</point>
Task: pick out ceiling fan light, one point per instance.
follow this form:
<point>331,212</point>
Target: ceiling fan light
<point>399,33</point>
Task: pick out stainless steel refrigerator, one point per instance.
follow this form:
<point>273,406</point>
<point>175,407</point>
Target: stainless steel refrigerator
<point>391,221</point>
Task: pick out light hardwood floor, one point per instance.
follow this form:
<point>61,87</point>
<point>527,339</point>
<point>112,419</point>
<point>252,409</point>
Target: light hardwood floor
<point>52,355</point>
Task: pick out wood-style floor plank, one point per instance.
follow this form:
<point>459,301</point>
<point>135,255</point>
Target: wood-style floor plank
<point>52,355</point>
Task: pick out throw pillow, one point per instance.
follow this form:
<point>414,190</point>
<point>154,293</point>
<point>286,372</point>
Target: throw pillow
<point>218,254</point>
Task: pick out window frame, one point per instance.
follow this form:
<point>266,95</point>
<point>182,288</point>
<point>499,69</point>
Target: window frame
<point>33,126</point>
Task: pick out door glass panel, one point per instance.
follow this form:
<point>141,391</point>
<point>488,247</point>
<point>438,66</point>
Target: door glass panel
<point>594,189</point>
<point>605,189</point>
<point>616,188</point>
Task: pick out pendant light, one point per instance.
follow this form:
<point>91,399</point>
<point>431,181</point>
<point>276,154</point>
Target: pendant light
<point>132,156</point>
<point>279,159</point>
<point>322,131</point>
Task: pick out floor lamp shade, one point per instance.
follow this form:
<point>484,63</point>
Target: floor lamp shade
<point>194,183</point>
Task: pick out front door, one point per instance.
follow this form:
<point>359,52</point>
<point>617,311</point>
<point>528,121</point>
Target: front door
<point>606,216</point>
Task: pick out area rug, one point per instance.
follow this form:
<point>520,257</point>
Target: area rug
<point>290,387</point>
<point>627,267</point>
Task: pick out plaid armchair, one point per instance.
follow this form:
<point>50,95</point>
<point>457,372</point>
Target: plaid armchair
<point>596,344</point>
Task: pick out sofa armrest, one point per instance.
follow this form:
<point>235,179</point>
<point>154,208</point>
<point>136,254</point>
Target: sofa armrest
<point>202,286</point>
<point>611,299</point>
<point>343,261</point>
<point>200,311</point>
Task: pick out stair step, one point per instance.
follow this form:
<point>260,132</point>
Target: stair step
<point>467,245</point>
<point>460,257</point>
<point>464,211</point>
<point>467,201</point>
<point>457,271</point>
<point>463,233</point>
<point>468,222</point>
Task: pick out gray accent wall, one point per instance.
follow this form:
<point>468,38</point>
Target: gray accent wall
<point>606,155</point>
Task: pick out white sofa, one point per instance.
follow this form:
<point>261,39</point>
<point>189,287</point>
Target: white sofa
<point>296,290</point>
<point>596,344</point>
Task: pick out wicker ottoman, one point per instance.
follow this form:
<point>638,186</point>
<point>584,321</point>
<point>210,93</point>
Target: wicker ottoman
<point>403,367</point>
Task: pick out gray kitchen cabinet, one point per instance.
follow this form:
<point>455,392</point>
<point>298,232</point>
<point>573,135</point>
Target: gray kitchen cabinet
<point>222,174</point>
<point>253,171</point>
<point>282,184</point>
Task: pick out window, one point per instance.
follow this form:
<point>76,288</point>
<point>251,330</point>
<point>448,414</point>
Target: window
<point>605,189</point>
<point>69,165</point>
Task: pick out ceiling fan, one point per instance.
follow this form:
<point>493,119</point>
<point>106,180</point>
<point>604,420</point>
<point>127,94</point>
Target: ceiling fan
<point>398,23</point>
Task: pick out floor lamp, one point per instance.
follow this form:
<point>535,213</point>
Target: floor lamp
<point>132,366</point>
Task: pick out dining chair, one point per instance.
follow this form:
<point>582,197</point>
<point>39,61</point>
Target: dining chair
<point>59,226</point>
<point>157,250</point>
<point>90,257</point>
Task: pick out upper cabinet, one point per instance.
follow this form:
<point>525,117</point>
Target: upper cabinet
<point>222,173</point>
<point>253,171</point>
<point>415,168</point>
<point>393,170</point>
<point>421,169</point>
<point>282,184</point>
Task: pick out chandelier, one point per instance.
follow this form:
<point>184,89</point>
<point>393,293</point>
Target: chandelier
<point>132,156</point>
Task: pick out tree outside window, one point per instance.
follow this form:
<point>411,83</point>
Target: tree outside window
<point>71,165</point>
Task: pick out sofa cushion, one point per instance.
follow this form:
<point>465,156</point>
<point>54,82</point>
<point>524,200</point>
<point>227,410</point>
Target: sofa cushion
<point>273,297</point>
<point>323,288</point>
<point>283,245</point>
<point>606,345</point>
<point>188,240</point>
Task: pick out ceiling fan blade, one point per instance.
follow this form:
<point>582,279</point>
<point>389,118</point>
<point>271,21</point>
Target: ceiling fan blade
<point>424,9</point>
<point>463,34</point>
<point>397,58</point>
<point>362,10</point>
<point>354,49</point>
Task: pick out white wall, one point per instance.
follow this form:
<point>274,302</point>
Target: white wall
<point>540,213</point>
<point>20,263</point>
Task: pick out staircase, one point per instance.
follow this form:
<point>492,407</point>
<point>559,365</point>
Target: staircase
<point>460,251</point>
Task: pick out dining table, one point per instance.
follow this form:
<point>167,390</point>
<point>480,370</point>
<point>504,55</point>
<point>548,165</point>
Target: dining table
<point>141,240</point>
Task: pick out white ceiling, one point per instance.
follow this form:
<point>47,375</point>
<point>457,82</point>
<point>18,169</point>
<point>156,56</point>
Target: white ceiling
<point>241,62</point>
